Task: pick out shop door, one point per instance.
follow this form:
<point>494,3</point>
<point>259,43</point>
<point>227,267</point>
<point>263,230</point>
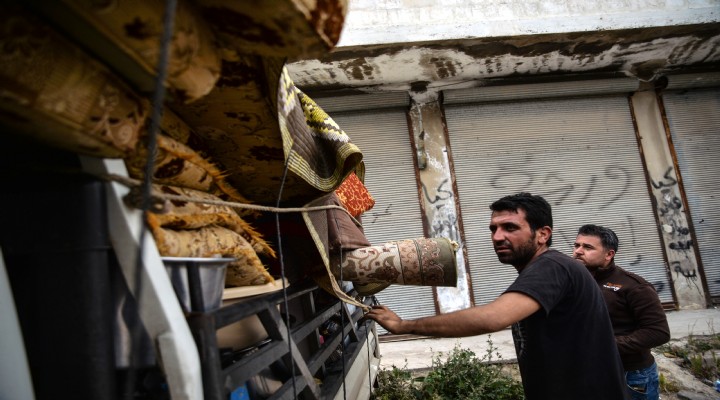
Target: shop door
<point>694,121</point>
<point>579,153</point>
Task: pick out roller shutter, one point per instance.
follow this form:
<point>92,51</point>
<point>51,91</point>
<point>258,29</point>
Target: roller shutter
<point>383,136</point>
<point>580,153</point>
<point>694,120</point>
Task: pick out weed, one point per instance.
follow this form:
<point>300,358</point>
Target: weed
<point>668,385</point>
<point>461,376</point>
<point>699,355</point>
<point>396,384</point>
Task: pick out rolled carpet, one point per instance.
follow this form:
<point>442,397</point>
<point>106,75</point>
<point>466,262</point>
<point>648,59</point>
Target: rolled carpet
<point>423,262</point>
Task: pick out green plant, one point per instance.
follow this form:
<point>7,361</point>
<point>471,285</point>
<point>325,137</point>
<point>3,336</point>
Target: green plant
<point>396,384</point>
<point>667,385</point>
<point>461,376</point>
<point>699,355</point>
<point>465,376</point>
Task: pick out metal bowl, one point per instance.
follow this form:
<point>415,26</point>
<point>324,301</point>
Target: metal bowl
<point>198,282</point>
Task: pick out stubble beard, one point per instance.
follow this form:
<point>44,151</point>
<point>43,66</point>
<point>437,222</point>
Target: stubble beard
<point>590,267</point>
<point>520,256</point>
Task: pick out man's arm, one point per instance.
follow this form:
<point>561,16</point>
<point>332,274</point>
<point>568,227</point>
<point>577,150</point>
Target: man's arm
<point>507,309</point>
<point>652,326</point>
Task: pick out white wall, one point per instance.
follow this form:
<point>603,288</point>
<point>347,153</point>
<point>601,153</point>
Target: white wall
<point>403,21</point>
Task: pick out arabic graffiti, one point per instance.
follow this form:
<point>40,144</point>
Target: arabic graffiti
<point>674,227</point>
<point>444,219</point>
<point>566,189</point>
<point>597,192</point>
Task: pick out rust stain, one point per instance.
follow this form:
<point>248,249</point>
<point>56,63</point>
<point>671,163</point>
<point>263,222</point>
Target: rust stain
<point>419,86</point>
<point>601,53</point>
<point>357,69</point>
<point>647,70</point>
<point>445,68</point>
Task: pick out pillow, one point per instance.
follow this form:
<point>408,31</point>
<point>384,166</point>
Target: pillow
<point>354,196</point>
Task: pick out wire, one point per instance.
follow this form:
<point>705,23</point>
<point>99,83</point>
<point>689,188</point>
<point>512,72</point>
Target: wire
<point>282,276</point>
<point>342,311</point>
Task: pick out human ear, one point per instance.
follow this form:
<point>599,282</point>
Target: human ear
<point>544,234</point>
<point>609,255</point>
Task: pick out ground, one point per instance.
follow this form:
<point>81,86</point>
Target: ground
<point>689,387</point>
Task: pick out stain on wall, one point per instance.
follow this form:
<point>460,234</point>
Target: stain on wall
<point>642,53</point>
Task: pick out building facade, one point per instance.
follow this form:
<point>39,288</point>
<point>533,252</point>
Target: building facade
<point>608,110</point>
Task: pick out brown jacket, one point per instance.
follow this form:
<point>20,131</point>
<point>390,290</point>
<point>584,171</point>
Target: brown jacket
<point>638,319</point>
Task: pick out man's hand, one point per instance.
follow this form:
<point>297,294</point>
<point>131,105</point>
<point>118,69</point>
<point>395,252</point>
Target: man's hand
<point>506,310</point>
<point>386,317</point>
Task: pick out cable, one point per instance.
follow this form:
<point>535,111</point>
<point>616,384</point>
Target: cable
<point>342,312</point>
<point>282,277</point>
<point>157,104</point>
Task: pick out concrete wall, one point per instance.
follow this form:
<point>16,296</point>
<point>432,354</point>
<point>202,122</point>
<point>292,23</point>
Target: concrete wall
<point>426,46</point>
<point>418,45</point>
<point>670,210</point>
<point>403,21</point>
<point>438,192</point>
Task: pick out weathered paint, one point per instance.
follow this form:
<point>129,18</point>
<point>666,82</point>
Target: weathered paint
<point>424,47</point>
<point>438,193</point>
<point>667,199</point>
<point>643,53</point>
<point>402,21</point>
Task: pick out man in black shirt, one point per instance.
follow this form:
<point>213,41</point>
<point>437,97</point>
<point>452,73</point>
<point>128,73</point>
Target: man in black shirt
<point>637,316</point>
<point>561,328</point>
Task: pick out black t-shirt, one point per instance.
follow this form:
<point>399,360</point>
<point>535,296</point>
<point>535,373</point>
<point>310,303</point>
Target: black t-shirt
<point>566,350</point>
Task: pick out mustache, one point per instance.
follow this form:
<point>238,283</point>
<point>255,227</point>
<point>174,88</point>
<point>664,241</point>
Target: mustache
<point>504,243</point>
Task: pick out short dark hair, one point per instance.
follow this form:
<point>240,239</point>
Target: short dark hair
<point>608,238</point>
<point>538,212</point>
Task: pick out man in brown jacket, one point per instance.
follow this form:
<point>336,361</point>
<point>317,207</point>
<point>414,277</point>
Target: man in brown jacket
<point>637,316</point>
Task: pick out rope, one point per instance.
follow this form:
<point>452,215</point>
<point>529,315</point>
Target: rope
<point>134,183</point>
<point>157,104</point>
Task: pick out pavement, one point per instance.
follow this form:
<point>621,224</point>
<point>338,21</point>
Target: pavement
<point>419,353</point>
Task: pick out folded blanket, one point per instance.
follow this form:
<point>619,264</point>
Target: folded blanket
<point>176,164</point>
<point>53,91</point>
<point>211,241</point>
<point>192,229</point>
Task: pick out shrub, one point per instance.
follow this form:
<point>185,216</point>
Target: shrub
<point>461,376</point>
<point>464,376</point>
<point>396,384</point>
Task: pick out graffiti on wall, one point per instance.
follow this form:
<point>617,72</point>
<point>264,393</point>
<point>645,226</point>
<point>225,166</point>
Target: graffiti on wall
<point>443,223</point>
<point>594,195</point>
<point>442,216</point>
<point>675,229</point>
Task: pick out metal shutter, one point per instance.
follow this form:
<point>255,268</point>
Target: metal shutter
<point>383,137</point>
<point>694,120</point>
<point>579,153</point>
